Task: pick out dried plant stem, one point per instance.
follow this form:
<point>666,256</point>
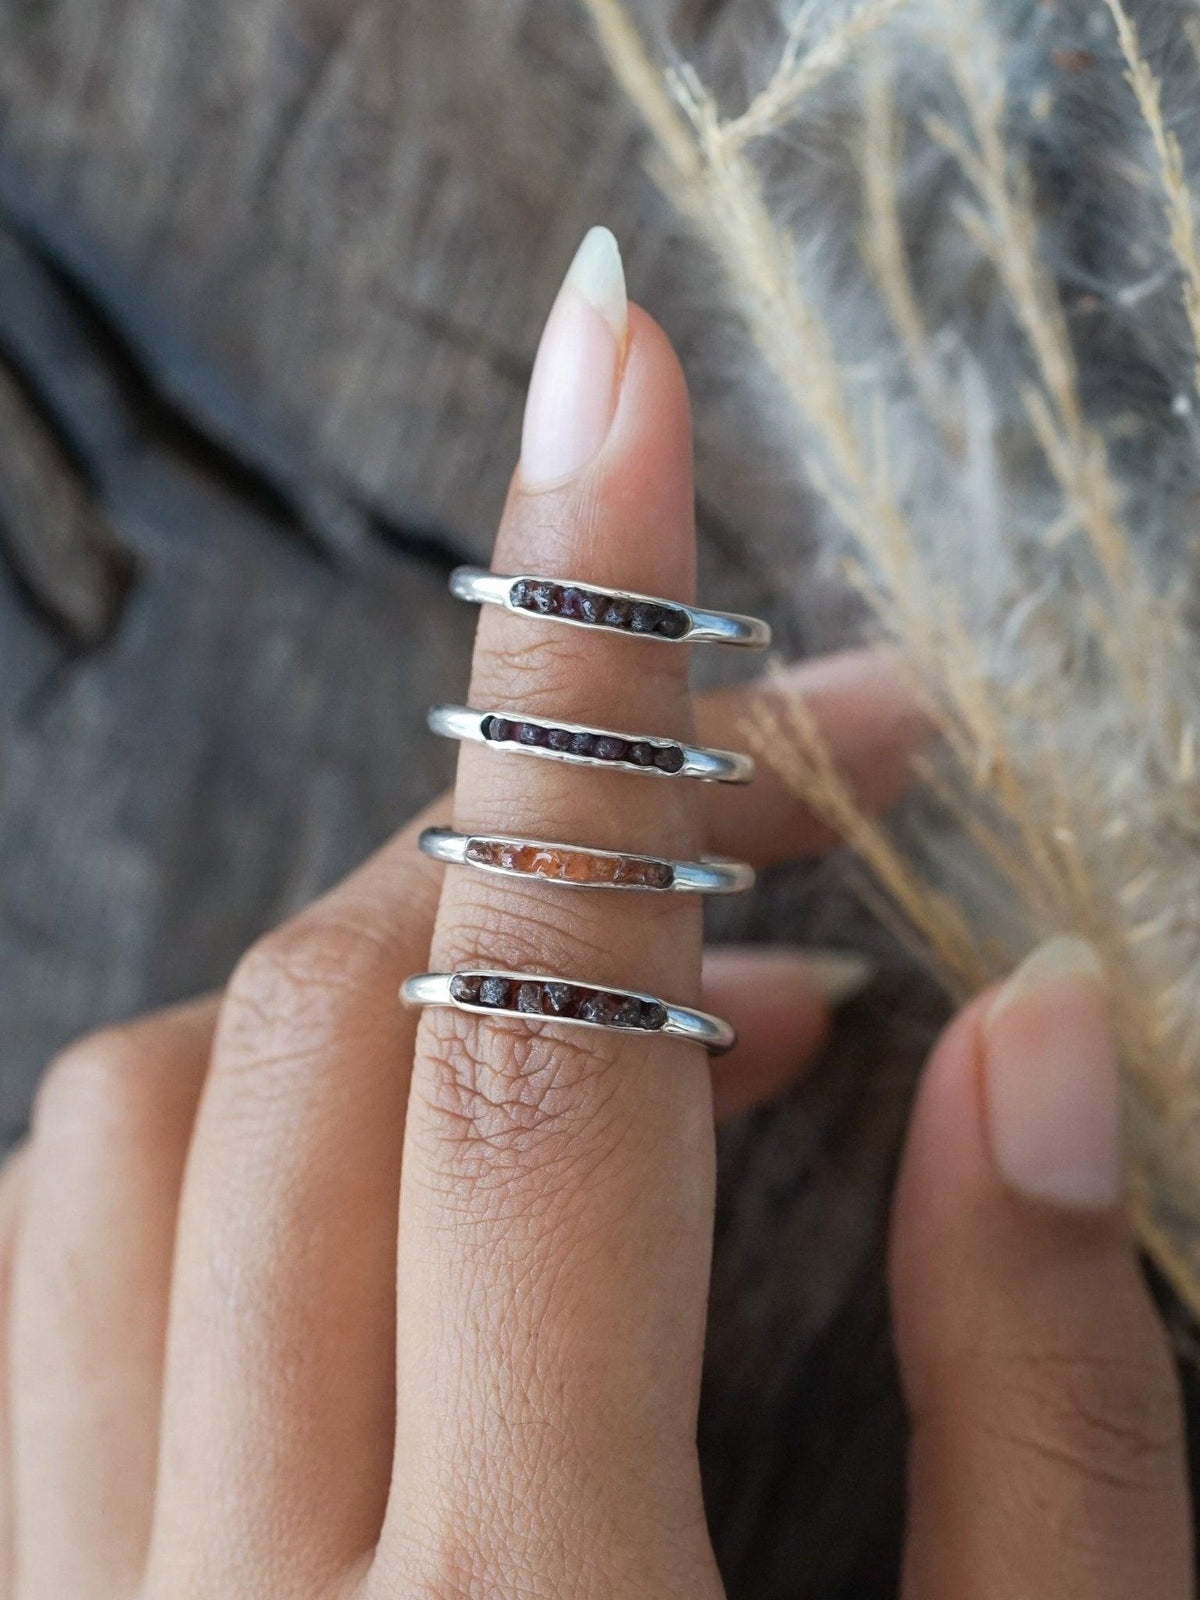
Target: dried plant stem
<point>798,74</point>
<point>783,732</point>
<point>885,251</point>
<point>642,82</point>
<point>723,192</point>
<point>1068,717</point>
<point>1177,197</point>
<point>1005,231</point>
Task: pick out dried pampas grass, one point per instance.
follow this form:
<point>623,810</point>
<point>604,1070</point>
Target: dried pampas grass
<point>982,314</point>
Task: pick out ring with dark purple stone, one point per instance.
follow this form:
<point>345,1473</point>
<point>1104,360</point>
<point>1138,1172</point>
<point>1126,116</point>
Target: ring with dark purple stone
<point>589,605</point>
<point>591,747</point>
<point>535,997</point>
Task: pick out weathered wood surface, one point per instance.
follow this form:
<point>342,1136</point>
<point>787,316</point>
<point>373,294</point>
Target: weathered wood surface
<point>271,277</point>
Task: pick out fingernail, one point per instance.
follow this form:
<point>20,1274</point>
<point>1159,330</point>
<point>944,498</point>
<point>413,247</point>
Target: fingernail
<point>837,975</point>
<point>573,391</point>
<point>1050,1079</point>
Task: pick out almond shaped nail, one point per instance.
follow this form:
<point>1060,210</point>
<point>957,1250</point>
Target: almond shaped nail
<point>573,391</point>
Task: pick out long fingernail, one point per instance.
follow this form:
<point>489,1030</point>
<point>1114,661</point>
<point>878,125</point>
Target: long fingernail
<point>838,976</point>
<point>573,391</point>
<point>1050,1079</point>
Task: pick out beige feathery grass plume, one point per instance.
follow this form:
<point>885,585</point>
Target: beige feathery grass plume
<point>997,409</point>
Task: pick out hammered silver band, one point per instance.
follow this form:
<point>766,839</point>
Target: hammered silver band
<point>582,866</point>
<point>533,997</point>
<point>590,605</point>
<point>590,747</point>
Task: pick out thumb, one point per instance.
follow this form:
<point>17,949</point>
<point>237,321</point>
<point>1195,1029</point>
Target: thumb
<point>1046,1453</point>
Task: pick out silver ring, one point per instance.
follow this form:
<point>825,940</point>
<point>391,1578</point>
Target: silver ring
<point>582,866</point>
<point>591,605</point>
<point>590,747</point>
<point>533,997</point>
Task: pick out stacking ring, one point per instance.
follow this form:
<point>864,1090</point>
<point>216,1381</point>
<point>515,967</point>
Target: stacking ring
<point>533,998</point>
<point>581,866</point>
<point>615,610</point>
<point>590,747</point>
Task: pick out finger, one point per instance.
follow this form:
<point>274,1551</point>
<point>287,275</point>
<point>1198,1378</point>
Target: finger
<point>104,1168</point>
<point>557,1190</point>
<point>1046,1450</point>
<point>12,1190</point>
<point>278,1413</point>
<point>780,1001</point>
<point>867,717</point>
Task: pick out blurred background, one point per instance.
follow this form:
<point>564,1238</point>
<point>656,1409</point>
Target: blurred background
<point>272,274</point>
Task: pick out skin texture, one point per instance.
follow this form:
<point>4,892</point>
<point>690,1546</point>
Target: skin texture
<point>310,1296</point>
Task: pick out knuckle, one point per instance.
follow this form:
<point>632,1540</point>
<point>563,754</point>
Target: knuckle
<point>93,1088</point>
<point>1119,1421</point>
<point>535,669</point>
<point>535,675</point>
<point>519,928</point>
<point>1113,1418</point>
<point>300,983</point>
<point>505,1102</point>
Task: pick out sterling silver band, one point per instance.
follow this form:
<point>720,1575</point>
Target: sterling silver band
<point>582,866</point>
<point>532,997</point>
<point>590,605</point>
<point>589,747</point>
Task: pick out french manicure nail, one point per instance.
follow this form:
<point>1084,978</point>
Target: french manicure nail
<point>1050,1079</point>
<point>838,976</point>
<point>573,391</point>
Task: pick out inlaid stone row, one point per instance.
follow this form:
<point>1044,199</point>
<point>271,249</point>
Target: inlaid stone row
<point>601,610</point>
<point>554,999</point>
<point>597,746</point>
<point>572,866</point>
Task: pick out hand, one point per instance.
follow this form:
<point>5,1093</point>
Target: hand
<point>307,1298</point>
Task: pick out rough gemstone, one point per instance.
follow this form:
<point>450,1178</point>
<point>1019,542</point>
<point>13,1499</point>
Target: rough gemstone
<point>545,597</point>
<point>572,604</point>
<point>673,624</point>
<point>645,617</point>
<point>531,999</point>
<point>530,733</point>
<point>610,749</point>
<point>559,739</point>
<point>628,1013</point>
<point>560,998</point>
<point>583,744</point>
<point>465,988</point>
<point>598,1007</point>
<point>642,874</point>
<point>494,992</point>
<point>498,729</point>
<point>641,753</point>
<point>617,614</point>
<point>654,1015</point>
<point>571,866</point>
<point>519,593</point>
<point>669,758</point>
<point>592,606</point>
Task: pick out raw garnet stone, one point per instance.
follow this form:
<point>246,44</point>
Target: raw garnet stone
<point>554,999</point>
<point>596,746</point>
<point>597,608</point>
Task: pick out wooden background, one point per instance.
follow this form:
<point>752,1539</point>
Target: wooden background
<point>272,273</point>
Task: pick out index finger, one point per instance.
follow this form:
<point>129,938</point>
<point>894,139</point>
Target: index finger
<point>557,1188</point>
